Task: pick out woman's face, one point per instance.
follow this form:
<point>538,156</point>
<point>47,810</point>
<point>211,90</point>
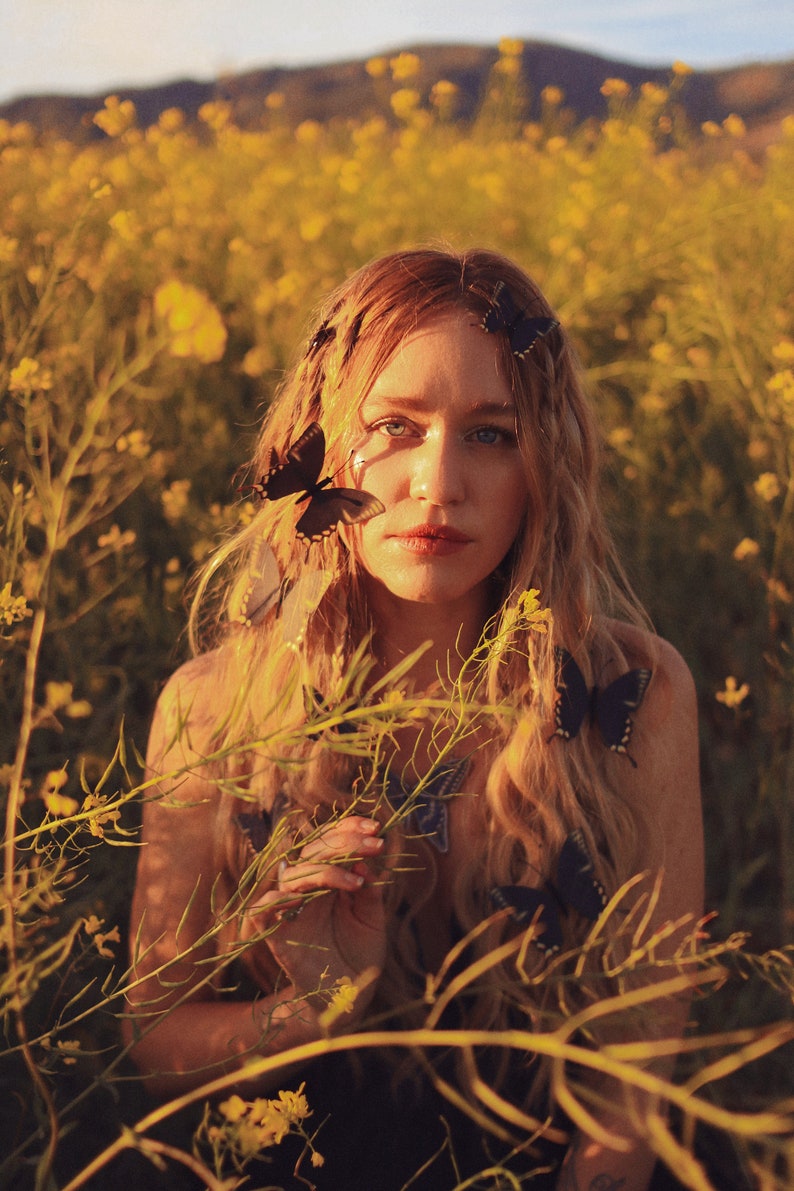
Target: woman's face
<point>439,449</point>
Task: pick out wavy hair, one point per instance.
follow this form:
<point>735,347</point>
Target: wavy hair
<point>536,791</point>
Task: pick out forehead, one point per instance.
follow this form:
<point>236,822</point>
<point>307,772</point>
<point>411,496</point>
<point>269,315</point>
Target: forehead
<point>448,351</point>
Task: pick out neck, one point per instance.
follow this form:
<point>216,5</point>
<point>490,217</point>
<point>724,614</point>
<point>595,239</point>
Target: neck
<point>452,630</point>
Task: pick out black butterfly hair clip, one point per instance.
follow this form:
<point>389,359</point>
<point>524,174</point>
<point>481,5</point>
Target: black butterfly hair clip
<point>610,708</point>
<point>575,887</point>
<point>522,331</point>
<point>299,475</point>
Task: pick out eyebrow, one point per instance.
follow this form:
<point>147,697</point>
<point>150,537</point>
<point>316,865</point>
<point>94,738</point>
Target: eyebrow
<point>491,408</point>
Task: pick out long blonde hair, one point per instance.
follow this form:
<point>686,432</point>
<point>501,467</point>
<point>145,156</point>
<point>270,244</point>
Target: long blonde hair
<point>536,791</point>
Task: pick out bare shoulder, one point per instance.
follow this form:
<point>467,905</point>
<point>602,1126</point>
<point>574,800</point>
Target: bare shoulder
<point>671,691</point>
<point>185,718</point>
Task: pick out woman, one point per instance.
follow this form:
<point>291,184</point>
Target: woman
<point>435,756</point>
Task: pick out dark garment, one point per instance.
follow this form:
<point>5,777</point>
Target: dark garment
<point>378,1136</point>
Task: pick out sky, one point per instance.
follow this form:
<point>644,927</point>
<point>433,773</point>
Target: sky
<point>95,46</point>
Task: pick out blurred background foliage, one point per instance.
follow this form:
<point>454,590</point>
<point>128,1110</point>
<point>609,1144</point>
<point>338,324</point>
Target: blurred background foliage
<point>153,288</point>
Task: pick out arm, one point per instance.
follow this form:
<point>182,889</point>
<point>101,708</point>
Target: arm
<point>667,782</point>
<point>182,1033</point>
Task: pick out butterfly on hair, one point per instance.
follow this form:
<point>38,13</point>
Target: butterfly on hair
<point>299,475</point>
<point>610,708</point>
<point>575,887</point>
<point>522,331</point>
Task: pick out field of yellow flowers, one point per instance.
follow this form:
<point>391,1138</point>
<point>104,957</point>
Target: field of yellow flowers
<point>153,286</point>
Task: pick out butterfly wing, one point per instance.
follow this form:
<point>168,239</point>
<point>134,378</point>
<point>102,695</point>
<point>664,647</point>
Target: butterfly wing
<point>329,506</point>
<point>504,315</point>
<point>526,904</point>
<point>526,331</point>
<point>256,826</point>
<point>502,311</point>
<point>576,883</point>
<point>573,697</point>
<point>262,589</point>
<point>301,468</point>
<point>302,599</point>
<point>613,707</point>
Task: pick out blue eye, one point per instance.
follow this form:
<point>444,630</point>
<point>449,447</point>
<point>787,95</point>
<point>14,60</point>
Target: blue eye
<point>491,436</point>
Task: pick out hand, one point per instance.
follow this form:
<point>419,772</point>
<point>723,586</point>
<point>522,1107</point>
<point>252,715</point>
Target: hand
<point>329,906</point>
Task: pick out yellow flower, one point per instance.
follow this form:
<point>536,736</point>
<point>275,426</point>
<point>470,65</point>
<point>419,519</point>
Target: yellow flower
<point>115,538</point>
<point>116,117</point>
<point>615,88</point>
<point>710,128</point>
<point>767,486</point>
<point>126,225</point>
<point>96,823</point>
<point>193,322</point>
<point>234,1109</point>
<point>216,114</point>
<point>376,67</point>
<point>274,102</point>
<point>404,103</point>
<point>747,548</point>
<point>59,805</point>
<point>734,125</point>
<point>342,1001</point>
<point>511,47</point>
<point>8,249</point>
<point>308,132</point>
<point>294,1105</point>
<point>58,697</point>
<point>175,500</point>
<point>29,377</point>
<point>171,119</point>
<point>784,350</point>
<point>443,97</point>
<point>135,442</point>
<point>533,615</point>
<point>733,694</point>
<point>654,93</point>
<point>404,66</point>
<point>553,96</point>
<point>313,227</point>
<point>101,939</point>
<point>681,69</point>
<point>12,608</point>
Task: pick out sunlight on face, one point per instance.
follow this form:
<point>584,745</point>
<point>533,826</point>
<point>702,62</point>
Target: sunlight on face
<point>439,449</point>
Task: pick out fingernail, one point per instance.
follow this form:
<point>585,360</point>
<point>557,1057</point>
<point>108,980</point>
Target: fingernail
<point>354,881</point>
<point>371,845</point>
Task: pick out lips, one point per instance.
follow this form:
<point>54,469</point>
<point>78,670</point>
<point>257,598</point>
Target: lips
<point>432,539</point>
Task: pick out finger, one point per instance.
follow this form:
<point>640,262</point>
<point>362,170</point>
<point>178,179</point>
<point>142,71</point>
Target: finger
<point>346,840</point>
<point>307,877</point>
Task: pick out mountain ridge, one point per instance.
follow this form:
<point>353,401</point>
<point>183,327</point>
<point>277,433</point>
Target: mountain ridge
<point>761,93</point>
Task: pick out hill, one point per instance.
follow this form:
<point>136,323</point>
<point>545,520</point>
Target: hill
<point>762,94</point>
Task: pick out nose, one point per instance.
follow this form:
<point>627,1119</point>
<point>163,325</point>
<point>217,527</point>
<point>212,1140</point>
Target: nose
<point>437,471</point>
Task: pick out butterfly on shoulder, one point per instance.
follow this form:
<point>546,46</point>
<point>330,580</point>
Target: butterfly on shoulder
<point>609,707</point>
<point>299,475</point>
<point>522,331</point>
<point>575,887</point>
